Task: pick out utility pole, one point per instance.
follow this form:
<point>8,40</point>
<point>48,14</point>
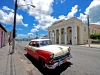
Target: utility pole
<point>88,31</point>
<point>14,28</point>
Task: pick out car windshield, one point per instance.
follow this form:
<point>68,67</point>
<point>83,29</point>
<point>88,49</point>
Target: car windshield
<point>45,42</point>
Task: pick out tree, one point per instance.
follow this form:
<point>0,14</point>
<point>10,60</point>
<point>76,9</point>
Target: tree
<point>95,36</point>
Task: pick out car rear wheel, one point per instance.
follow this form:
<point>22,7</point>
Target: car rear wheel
<point>42,63</point>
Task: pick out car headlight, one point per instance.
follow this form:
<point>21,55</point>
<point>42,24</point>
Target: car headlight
<point>52,55</point>
<point>69,49</point>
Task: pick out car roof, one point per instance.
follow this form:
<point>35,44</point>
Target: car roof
<point>39,39</point>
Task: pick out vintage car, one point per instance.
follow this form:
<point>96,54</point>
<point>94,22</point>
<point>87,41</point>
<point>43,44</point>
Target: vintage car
<point>49,55</point>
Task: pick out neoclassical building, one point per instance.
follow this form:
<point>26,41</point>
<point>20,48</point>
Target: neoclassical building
<point>72,31</point>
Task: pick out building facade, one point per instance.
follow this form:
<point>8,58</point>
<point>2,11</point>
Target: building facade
<point>3,36</point>
<point>72,31</point>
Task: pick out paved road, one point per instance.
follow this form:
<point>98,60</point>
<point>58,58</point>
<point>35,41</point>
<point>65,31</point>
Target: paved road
<point>86,61</point>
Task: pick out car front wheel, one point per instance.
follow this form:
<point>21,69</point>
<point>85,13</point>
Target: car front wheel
<point>42,63</point>
<point>28,55</point>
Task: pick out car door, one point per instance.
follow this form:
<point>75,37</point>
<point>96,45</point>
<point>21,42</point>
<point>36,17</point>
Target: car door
<point>29,48</point>
<point>34,48</point>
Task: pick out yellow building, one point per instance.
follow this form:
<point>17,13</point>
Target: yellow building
<point>72,31</point>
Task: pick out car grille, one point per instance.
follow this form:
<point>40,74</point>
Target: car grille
<point>62,57</point>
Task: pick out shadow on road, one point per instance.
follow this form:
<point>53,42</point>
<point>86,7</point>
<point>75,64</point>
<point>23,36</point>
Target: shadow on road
<point>56,71</point>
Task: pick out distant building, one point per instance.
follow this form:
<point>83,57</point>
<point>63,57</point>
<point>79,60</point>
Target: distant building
<point>72,31</point>
<point>3,36</point>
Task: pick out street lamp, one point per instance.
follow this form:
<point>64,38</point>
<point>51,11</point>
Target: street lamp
<point>14,27</point>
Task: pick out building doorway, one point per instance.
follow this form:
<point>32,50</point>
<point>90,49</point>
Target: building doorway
<point>69,35</point>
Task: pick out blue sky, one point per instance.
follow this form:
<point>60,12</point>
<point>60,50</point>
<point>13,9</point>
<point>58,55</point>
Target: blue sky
<point>31,20</point>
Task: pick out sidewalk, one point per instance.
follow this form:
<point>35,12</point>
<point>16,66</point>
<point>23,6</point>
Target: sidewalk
<point>10,64</point>
<point>91,45</point>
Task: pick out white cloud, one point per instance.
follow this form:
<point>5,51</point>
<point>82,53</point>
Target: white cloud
<point>62,1</point>
<point>93,4</point>
<point>83,17</point>
<point>7,17</point>
<point>7,9</point>
<point>42,13</point>
<point>93,10</point>
<point>33,24</point>
<point>71,14</point>
<point>98,23</point>
<point>34,30</point>
<point>21,36</point>
<point>73,11</point>
<point>62,17</point>
<point>22,4</point>
<point>79,10</point>
<point>30,34</point>
<point>19,29</point>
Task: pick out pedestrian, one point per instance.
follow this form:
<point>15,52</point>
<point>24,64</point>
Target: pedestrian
<point>9,41</point>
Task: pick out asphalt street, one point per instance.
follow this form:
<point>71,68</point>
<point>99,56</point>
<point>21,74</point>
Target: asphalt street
<point>85,61</point>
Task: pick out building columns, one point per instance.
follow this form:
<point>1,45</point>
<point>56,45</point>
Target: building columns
<point>55,36</point>
<point>65,35</point>
<point>59,36</point>
<point>81,35</point>
<point>74,35</point>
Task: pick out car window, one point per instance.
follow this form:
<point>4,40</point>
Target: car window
<point>30,43</point>
<point>45,42</point>
<point>37,44</point>
<point>49,42</point>
<point>42,43</point>
<point>34,43</point>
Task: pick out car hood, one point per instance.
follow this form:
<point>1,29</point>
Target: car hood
<point>56,49</point>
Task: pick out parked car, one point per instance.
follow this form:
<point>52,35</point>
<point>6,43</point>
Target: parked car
<point>49,55</point>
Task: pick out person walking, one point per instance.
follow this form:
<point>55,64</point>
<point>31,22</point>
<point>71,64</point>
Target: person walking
<point>9,41</point>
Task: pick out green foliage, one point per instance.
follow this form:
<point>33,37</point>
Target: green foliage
<point>95,36</point>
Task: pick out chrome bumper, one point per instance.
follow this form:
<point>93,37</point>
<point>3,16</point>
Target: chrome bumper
<point>57,63</point>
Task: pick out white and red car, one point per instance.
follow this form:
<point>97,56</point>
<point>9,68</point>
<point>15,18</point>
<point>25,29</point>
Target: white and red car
<point>49,55</point>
